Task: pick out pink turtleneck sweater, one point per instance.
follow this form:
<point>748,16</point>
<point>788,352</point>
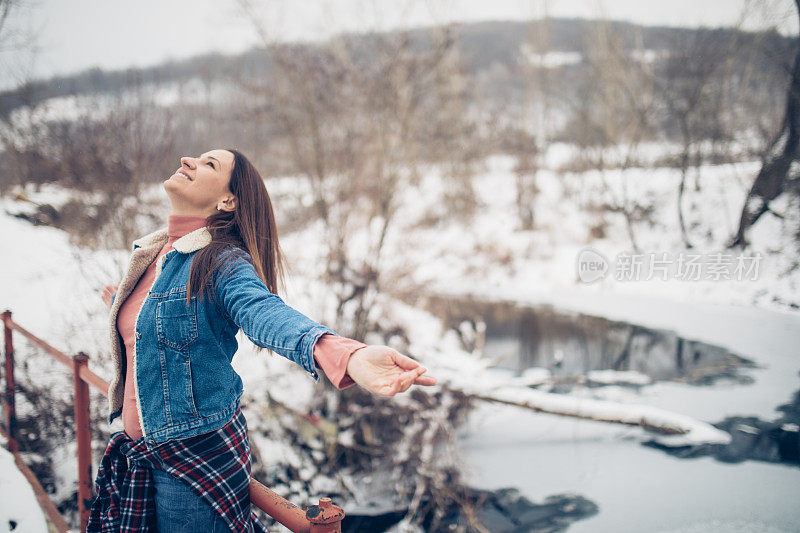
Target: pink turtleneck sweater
<point>331,352</point>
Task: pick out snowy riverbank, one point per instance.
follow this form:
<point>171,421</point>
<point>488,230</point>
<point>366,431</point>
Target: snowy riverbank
<point>53,289</point>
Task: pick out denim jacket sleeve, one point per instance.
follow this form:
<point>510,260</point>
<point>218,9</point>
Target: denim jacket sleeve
<point>263,316</point>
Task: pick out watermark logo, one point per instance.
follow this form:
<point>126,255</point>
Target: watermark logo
<point>592,265</point>
<point>685,266</point>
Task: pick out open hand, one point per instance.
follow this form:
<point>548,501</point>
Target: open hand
<point>385,371</point>
<point>108,294</point>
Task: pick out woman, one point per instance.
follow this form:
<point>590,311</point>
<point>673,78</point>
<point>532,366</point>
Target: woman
<point>183,462</point>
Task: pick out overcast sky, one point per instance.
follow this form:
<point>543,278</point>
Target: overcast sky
<point>73,35</point>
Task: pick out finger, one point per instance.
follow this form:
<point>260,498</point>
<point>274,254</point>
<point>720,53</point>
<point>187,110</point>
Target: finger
<point>419,379</point>
<point>404,361</point>
<point>398,385</point>
<point>409,378</point>
<point>393,388</point>
<point>425,380</point>
<point>403,381</point>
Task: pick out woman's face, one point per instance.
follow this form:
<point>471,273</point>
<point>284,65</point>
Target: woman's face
<point>200,185</point>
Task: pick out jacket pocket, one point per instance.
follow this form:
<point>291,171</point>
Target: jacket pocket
<point>176,326</point>
<point>176,323</point>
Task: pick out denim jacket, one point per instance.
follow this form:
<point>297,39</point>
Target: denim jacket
<point>184,380</point>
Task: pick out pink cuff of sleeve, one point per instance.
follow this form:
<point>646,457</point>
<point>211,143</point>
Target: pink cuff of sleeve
<point>332,353</point>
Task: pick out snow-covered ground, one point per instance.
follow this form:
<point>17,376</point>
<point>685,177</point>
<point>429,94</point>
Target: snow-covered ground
<point>53,289</point>
<point>637,488</point>
<point>19,510</point>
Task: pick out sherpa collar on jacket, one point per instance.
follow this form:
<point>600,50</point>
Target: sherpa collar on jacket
<point>192,241</point>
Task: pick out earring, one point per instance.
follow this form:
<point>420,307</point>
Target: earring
<point>219,208</point>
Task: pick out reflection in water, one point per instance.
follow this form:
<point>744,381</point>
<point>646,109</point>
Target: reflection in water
<point>507,511</point>
<point>753,439</point>
<point>574,344</point>
<point>498,511</point>
<point>571,345</point>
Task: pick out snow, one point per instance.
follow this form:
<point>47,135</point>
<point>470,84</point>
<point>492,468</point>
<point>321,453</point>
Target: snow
<point>528,265</point>
<point>490,258</point>
<point>692,430</point>
<point>636,488</point>
<point>100,105</point>
<point>18,504</point>
<point>618,376</point>
<point>550,59</point>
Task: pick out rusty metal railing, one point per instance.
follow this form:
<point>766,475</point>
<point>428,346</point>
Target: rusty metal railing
<point>322,518</point>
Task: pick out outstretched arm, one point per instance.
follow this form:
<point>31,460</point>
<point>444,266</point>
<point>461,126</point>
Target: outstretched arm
<point>379,369</point>
<point>263,316</point>
<point>270,323</point>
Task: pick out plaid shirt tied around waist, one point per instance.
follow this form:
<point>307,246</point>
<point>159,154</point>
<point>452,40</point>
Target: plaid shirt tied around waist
<point>215,465</point>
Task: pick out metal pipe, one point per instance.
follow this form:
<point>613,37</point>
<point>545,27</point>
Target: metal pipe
<point>83,437</point>
<point>325,517</point>
<point>9,401</point>
<point>58,354</point>
<point>279,508</point>
<point>94,380</point>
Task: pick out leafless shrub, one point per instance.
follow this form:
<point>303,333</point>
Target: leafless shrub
<point>106,153</point>
<point>612,114</point>
<point>359,115</point>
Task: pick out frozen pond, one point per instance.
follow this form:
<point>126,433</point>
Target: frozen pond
<point>636,488</point>
<point>710,362</point>
<point>573,346</point>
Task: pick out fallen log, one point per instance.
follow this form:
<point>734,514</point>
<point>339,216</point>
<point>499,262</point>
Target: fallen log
<point>674,429</point>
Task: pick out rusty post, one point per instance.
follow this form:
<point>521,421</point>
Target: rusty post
<point>8,398</point>
<point>83,437</point>
<point>325,517</point>
<point>278,507</point>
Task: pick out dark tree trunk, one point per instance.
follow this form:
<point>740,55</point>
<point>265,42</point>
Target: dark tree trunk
<point>776,169</point>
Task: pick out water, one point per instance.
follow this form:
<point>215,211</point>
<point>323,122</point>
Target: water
<point>572,344</point>
<point>753,485</point>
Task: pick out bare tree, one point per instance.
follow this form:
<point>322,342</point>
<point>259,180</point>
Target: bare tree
<point>690,84</point>
<point>532,139</point>
<point>16,42</point>
<point>358,116</point>
<point>612,115</point>
<point>107,152</point>
<point>778,169</point>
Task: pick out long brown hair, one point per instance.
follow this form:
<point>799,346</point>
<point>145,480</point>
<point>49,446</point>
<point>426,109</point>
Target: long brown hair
<point>250,227</point>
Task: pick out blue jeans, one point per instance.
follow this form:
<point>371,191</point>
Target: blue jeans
<point>180,510</point>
